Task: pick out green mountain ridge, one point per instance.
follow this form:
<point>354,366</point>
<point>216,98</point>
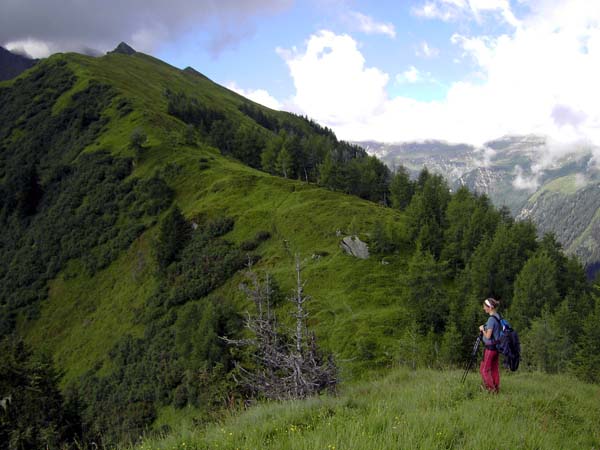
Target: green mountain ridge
<point>96,285</point>
<point>216,185</point>
<point>132,200</point>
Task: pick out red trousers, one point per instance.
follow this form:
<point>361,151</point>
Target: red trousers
<point>489,370</point>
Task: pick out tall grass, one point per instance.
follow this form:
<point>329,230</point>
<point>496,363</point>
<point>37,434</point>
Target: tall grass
<point>421,409</point>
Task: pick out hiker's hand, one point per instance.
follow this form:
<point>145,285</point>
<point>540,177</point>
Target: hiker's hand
<point>481,328</point>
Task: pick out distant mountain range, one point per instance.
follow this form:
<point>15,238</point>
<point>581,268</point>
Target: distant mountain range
<point>560,195</point>
<point>12,64</point>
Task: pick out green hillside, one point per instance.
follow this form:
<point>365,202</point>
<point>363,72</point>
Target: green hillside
<point>133,194</point>
<point>206,184</point>
<point>569,207</point>
<point>98,278</point>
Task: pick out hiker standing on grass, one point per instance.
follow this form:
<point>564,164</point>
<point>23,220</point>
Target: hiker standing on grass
<point>491,332</point>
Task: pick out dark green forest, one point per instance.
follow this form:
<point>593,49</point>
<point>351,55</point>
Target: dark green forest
<point>59,203</point>
<point>56,203</point>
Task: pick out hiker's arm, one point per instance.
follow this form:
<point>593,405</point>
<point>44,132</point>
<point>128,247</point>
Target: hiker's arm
<point>486,333</point>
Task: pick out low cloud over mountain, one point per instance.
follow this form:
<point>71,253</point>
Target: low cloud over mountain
<point>42,28</point>
<point>554,186</point>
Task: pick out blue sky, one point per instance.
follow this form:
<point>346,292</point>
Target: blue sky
<point>455,70</point>
<point>406,40</point>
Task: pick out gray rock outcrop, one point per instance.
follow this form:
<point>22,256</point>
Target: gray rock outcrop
<point>355,247</point>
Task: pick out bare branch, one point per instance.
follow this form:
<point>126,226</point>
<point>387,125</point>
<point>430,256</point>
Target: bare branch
<point>284,368</point>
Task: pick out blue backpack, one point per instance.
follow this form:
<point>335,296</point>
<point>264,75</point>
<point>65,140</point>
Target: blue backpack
<point>508,344</point>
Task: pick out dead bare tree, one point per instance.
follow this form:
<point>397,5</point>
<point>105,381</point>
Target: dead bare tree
<point>286,365</point>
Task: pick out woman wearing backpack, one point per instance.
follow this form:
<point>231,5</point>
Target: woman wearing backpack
<point>490,373</point>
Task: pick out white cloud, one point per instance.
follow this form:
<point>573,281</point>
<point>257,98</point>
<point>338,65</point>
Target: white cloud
<point>484,156</point>
<point>478,7</point>
<point>332,83</point>
<point>75,25</point>
<point>368,25</point>
<point>564,115</point>
<point>256,95</point>
<point>432,10</point>
<point>31,47</point>
<point>426,51</point>
<point>541,79</point>
<point>580,180</point>
<point>454,10</point>
<point>413,75</point>
<point>524,182</point>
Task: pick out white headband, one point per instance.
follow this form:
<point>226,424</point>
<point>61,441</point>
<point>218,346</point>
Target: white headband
<point>488,303</point>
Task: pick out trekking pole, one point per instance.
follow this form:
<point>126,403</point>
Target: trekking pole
<point>472,359</point>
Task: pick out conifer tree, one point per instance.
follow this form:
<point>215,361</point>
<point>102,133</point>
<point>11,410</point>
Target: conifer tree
<point>315,149</point>
<point>401,189</point>
<point>330,172</point>
<point>189,135</point>
<point>268,157</point>
<point>248,144</point>
<point>173,234</point>
<point>384,237</point>
<point>422,178</point>
<point>452,348</point>
<point>470,219</point>
<point>33,412</point>
<point>423,290</point>
<point>136,142</point>
<point>426,214</point>
<point>586,364</point>
<point>285,163</point>
<point>535,288</point>
<point>378,242</point>
<point>546,344</point>
<point>497,261</point>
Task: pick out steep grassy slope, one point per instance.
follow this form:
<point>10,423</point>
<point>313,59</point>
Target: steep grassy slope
<point>85,315</point>
<point>410,410</point>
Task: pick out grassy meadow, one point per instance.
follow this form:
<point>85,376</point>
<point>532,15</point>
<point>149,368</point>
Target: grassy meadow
<point>405,409</point>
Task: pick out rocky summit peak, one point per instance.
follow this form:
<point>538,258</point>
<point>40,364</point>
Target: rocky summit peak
<point>124,49</point>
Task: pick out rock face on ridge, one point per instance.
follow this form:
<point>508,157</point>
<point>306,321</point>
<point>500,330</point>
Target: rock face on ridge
<point>355,247</point>
<point>194,72</point>
<point>123,49</point>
